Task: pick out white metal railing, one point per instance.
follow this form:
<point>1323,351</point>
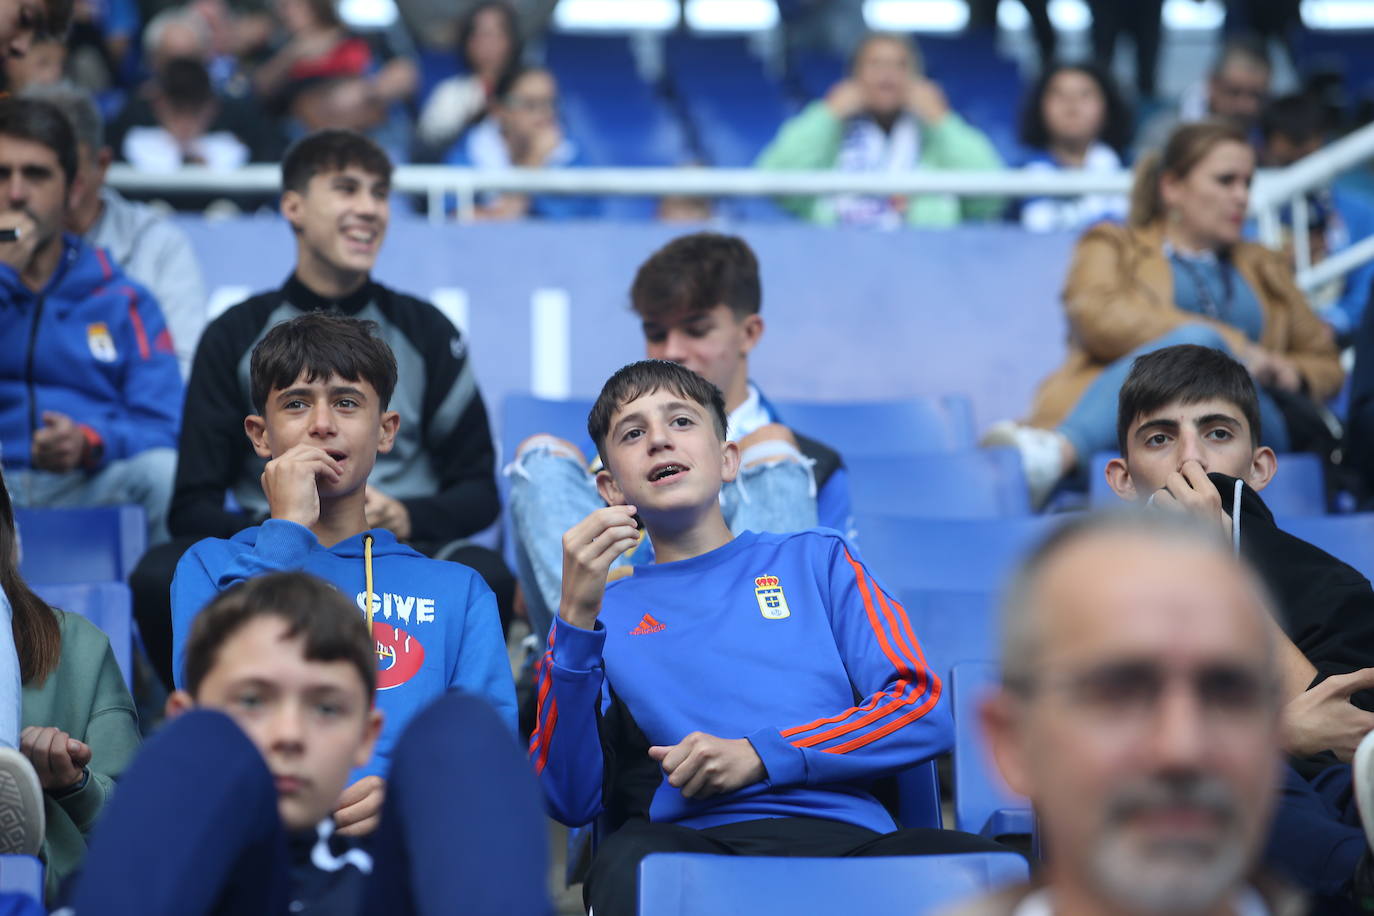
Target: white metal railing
<point>438,183</point>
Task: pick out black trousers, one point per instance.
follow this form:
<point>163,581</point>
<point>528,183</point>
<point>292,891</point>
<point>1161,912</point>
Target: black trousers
<point>1138,18</point>
<point>151,584</point>
<point>612,886</point>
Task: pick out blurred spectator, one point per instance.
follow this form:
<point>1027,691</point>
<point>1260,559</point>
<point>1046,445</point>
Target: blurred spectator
<point>41,66</point>
<point>92,395</point>
<point>1360,431</point>
<point>1266,20</point>
<point>325,77</point>
<point>98,44</point>
<point>1293,127</point>
<point>684,208</point>
<point>1234,91</point>
<point>489,49</point>
<point>523,131</point>
<point>1178,272</point>
<point>144,243</point>
<point>22,23</point>
<point>1139,19</point>
<point>436,22</point>
<point>884,117</point>
<point>186,109</point>
<point>983,17</point>
<point>1076,121</point>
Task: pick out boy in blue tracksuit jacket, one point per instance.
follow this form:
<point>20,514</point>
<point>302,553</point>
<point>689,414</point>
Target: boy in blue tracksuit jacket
<point>740,694</point>
<point>90,394</point>
<point>320,384</point>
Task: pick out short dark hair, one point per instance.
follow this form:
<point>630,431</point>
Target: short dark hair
<point>1249,48</point>
<point>512,75</point>
<point>57,20</point>
<point>645,377</point>
<point>43,123</point>
<point>510,19</point>
<point>321,344</point>
<point>184,83</point>
<point>1116,115</point>
<point>1299,117</point>
<point>331,150</point>
<point>331,627</point>
<point>696,273</point>
<point>1187,374</point>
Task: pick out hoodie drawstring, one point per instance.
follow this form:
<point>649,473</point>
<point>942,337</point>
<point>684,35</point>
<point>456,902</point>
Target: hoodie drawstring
<point>367,580</point>
<point>1235,515</point>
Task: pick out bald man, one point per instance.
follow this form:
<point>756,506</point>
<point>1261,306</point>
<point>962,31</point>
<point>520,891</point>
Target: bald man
<point>1140,712</point>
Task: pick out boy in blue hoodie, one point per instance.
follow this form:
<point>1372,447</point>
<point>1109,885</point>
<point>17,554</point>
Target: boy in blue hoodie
<point>320,386</point>
<point>740,694</point>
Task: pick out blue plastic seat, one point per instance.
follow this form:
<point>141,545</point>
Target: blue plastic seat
<point>1347,537</point>
<point>976,483</point>
<point>908,426</point>
<point>952,627</point>
<point>1298,489</point>
<point>108,605</point>
<point>983,803</point>
<point>683,884</point>
<point>97,544</point>
<point>918,796</point>
<point>946,554</point>
<point>21,875</point>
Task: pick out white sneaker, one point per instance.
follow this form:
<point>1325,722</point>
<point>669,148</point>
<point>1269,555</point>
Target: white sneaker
<point>22,821</point>
<point>1042,455</point>
<point>1362,773</point>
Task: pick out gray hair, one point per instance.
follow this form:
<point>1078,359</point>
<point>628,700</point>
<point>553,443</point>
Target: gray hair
<point>176,15</point>
<point>1021,628</point>
<point>79,109</point>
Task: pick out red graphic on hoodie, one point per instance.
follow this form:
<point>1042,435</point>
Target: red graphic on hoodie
<point>399,655</point>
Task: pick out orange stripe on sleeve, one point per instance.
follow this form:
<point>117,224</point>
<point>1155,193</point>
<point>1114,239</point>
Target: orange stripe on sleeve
<point>880,712</point>
<point>831,720</point>
<point>906,642</point>
<point>874,622</point>
<point>142,335</point>
<point>547,738</point>
<point>889,728</point>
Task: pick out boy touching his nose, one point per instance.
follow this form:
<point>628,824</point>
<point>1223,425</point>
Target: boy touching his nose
<point>321,384</point>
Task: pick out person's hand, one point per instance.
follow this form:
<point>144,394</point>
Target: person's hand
<point>589,548</point>
<point>1190,490</point>
<point>703,765</point>
<point>360,807</point>
<point>769,432</point>
<point>926,101</point>
<point>540,147</point>
<point>1273,369</point>
<point>1323,718</point>
<point>18,253</point>
<point>845,99</point>
<point>59,759</point>
<point>290,483</point>
<point>384,512</point>
<point>59,445</point>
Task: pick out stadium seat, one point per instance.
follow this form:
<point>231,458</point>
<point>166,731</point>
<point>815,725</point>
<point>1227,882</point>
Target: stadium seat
<point>976,483</point>
<point>98,544</point>
<point>909,426</point>
<point>1347,537</point>
<point>525,414</point>
<point>946,554</point>
<point>918,796</point>
<point>1297,490</point>
<point>952,627</point>
<point>21,875</point>
<point>983,803</point>
<point>108,605</point>
<point>689,884</point>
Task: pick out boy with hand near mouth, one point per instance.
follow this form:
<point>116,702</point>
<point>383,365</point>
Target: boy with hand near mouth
<point>1188,429</point>
<point>739,694</point>
<point>321,385</point>
<point>280,682</point>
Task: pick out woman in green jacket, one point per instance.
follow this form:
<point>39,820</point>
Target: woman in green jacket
<point>79,725</point>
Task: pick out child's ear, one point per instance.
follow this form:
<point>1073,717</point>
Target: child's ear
<point>1263,466</point>
<point>609,490</point>
<point>729,461</point>
<point>256,428</point>
<point>291,206</point>
<point>371,731</point>
<point>178,702</point>
<point>391,422</point>
<point>1119,479</point>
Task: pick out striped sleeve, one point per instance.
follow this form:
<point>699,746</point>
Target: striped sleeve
<point>565,748</point>
<point>898,720</point>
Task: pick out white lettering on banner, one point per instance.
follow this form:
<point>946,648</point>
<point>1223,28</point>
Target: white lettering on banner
<point>551,343</point>
<point>402,606</point>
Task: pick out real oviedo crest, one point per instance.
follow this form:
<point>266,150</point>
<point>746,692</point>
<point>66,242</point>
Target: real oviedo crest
<point>772,602</point>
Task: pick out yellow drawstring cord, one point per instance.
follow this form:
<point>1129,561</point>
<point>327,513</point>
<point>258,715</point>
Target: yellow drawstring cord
<point>367,574</point>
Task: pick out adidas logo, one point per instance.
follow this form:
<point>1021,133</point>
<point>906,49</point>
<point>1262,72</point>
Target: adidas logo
<point>648,625</point>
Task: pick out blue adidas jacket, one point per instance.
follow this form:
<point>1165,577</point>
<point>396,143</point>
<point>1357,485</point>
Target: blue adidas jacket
<point>435,623</point>
<point>91,344</point>
<point>784,639</point>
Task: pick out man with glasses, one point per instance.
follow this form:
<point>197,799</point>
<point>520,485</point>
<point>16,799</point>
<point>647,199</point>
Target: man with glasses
<point>1140,711</point>
<point>1235,90</point>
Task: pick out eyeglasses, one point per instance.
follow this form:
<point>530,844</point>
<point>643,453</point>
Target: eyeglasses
<point>1134,690</point>
<point>532,104</point>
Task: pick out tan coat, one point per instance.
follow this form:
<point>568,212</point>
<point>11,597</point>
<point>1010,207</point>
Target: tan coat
<point>1120,295</point>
